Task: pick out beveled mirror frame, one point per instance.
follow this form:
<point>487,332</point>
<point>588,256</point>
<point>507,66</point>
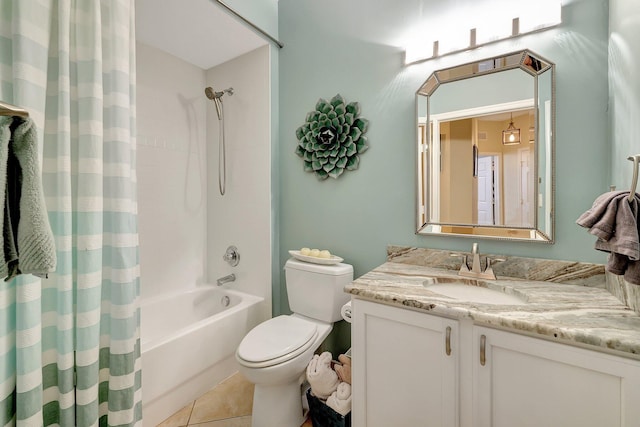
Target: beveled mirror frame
<point>544,180</point>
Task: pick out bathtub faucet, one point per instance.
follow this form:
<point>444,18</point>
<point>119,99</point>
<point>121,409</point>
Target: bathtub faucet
<point>226,279</point>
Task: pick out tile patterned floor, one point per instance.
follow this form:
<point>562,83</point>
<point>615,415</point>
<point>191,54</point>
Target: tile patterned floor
<point>227,405</point>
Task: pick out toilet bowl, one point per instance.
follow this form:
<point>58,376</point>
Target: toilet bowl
<point>278,375</point>
<point>274,355</point>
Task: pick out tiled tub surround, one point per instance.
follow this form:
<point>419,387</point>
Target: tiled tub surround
<point>557,308</point>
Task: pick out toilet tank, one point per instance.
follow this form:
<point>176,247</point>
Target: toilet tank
<point>317,291</point>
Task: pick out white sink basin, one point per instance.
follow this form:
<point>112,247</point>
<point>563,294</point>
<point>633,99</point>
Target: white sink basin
<point>473,293</point>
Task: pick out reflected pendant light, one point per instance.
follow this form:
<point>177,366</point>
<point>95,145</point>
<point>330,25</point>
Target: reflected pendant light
<point>511,135</point>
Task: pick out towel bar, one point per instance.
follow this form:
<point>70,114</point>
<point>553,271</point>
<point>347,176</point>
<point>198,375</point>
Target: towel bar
<point>634,180</point>
<point>7,109</point>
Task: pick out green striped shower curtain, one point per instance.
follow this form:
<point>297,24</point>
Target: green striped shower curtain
<point>69,344</point>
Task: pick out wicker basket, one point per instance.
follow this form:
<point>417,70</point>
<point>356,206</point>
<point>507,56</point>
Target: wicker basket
<point>323,416</point>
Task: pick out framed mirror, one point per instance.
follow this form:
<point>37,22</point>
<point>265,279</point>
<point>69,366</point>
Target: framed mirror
<point>485,140</point>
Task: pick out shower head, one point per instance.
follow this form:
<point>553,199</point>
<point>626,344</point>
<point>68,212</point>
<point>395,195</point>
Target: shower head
<point>212,95</point>
<point>216,97</point>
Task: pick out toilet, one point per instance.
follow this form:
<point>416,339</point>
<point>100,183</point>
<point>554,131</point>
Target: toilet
<point>274,355</point>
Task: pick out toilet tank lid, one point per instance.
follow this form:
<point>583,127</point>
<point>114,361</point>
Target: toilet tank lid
<point>339,269</point>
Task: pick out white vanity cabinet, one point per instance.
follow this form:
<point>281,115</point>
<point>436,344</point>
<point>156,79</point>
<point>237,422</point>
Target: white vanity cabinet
<point>416,369</point>
<point>530,382</point>
<point>405,367</point>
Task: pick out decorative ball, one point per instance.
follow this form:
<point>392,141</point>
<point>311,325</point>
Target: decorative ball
<point>305,251</point>
<point>324,254</point>
<point>314,252</point>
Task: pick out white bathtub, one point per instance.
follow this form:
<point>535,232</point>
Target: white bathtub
<point>188,342</point>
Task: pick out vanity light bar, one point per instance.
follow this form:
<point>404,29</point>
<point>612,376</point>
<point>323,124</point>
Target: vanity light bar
<point>417,53</point>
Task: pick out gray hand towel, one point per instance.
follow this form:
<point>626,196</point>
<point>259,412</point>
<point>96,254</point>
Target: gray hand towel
<point>613,218</point>
<point>622,266</point>
<point>625,239</point>
<point>595,214</point>
<point>617,264</point>
<point>632,272</point>
<point>12,208</point>
<point>36,248</point>
<point>605,226</point>
<point>8,244</point>
<point>27,241</point>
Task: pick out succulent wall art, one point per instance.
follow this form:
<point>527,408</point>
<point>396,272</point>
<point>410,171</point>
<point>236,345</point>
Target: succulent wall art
<point>332,138</point>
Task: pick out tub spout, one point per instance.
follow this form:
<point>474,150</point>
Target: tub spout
<point>226,279</point>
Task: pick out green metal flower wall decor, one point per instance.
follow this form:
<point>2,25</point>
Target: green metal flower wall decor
<point>332,138</point>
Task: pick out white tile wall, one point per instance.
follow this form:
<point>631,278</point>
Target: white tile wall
<point>185,225</point>
<point>171,115</point>
<point>242,216</point>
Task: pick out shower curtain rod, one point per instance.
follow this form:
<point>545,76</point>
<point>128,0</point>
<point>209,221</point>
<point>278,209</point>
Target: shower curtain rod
<point>251,24</point>
<point>7,109</point>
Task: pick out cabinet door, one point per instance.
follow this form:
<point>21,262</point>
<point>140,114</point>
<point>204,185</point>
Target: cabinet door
<point>404,367</point>
<point>529,382</point>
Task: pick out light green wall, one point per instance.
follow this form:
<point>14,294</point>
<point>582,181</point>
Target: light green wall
<point>624,86</point>
<point>346,47</point>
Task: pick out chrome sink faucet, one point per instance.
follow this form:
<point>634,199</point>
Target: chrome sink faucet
<point>226,279</point>
<point>476,267</point>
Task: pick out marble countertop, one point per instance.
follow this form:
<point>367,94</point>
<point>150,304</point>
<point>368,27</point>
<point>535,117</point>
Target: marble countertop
<point>568,313</point>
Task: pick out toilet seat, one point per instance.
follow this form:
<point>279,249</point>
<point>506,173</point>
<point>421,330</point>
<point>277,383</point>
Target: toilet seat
<point>276,341</point>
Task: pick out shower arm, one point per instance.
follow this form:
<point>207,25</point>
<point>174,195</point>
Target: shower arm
<point>216,97</point>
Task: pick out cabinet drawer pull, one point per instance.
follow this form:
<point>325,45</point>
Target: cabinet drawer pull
<point>483,346</point>
<point>448,341</point>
